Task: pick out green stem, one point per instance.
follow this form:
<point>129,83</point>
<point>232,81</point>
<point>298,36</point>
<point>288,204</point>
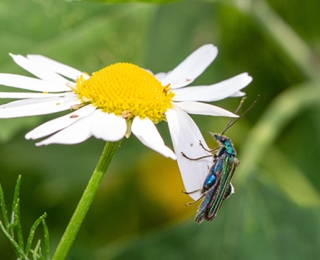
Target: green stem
<point>85,201</point>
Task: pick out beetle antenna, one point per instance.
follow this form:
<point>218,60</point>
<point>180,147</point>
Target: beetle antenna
<point>232,122</point>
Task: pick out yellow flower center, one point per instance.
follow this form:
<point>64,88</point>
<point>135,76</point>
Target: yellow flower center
<point>126,90</point>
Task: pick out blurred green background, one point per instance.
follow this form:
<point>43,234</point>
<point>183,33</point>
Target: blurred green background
<point>139,211</point>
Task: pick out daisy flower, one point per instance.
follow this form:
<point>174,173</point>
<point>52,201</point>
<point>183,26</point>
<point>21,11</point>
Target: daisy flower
<point>121,99</point>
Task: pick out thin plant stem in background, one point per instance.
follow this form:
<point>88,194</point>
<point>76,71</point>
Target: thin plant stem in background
<point>287,106</point>
<point>295,48</point>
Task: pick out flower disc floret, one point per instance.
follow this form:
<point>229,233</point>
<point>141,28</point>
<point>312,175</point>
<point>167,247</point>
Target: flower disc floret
<point>126,90</point>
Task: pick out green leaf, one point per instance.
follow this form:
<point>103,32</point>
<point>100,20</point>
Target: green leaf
<point>129,1</point>
<point>32,232</point>
<point>36,252</point>
<point>46,240</point>
<point>17,223</point>
<point>15,227</point>
<point>17,248</point>
<point>16,213</point>
<point>3,208</point>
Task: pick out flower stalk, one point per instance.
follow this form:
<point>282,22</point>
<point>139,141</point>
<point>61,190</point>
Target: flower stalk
<point>85,201</point>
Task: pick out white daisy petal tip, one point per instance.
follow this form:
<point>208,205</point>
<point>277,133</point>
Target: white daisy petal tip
<point>191,67</point>
<point>203,109</point>
<point>246,77</point>
<point>206,49</point>
<point>57,124</point>
<point>41,143</point>
<point>28,136</point>
<point>185,137</point>
<point>147,133</point>
<point>238,94</point>
<point>13,56</point>
<point>173,157</point>
<point>211,47</point>
<point>165,151</point>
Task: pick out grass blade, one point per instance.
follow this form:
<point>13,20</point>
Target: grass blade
<point>46,240</point>
<point>3,208</point>
<point>15,208</point>
<point>36,253</point>
<point>17,248</point>
<point>17,224</point>
<point>32,232</point>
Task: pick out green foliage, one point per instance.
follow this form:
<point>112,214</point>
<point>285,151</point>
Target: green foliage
<point>12,228</point>
<point>130,1</point>
<point>139,212</point>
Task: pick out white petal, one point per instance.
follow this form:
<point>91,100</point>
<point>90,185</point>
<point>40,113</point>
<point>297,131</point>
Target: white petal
<point>189,69</point>
<point>17,81</point>
<point>185,137</point>
<point>238,94</point>
<point>55,66</point>
<point>108,127</point>
<point>147,133</point>
<point>161,75</point>
<point>38,70</point>
<point>59,123</point>
<point>39,106</point>
<point>74,134</point>
<point>26,95</point>
<point>203,109</point>
<point>232,189</point>
<point>213,92</point>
